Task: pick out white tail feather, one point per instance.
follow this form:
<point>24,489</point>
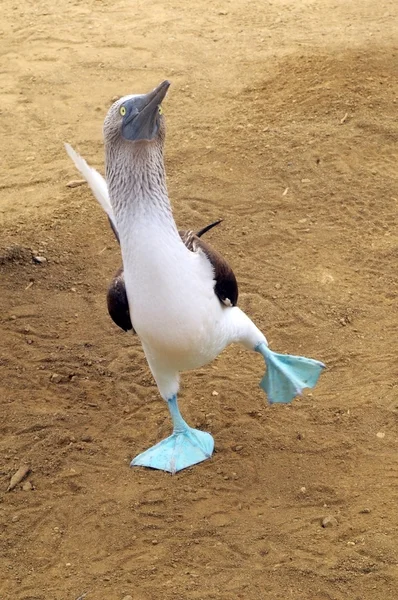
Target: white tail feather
<point>95,180</point>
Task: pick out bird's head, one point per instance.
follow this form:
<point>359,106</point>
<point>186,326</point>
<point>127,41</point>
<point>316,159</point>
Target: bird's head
<point>138,118</point>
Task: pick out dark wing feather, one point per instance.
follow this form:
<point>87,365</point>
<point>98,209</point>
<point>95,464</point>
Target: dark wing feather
<point>118,306</point>
<point>225,287</point>
<point>207,228</point>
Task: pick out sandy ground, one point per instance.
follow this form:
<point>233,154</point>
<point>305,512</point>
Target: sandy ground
<point>282,120</point>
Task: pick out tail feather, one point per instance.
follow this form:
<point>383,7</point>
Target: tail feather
<point>96,182</point>
<point>208,227</point>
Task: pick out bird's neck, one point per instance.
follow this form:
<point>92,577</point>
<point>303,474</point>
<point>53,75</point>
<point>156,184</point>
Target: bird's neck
<point>137,187</point>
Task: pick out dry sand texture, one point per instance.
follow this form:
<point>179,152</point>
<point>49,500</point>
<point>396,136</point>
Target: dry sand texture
<point>282,120</point>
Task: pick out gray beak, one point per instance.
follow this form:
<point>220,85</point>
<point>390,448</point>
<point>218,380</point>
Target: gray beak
<point>142,117</point>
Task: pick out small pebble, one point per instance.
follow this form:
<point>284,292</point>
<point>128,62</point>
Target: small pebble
<point>365,511</point>
<point>87,438</point>
<point>56,378</point>
<point>350,543</point>
<point>39,259</point>
<point>27,486</point>
<point>15,518</point>
<point>329,522</point>
<point>154,542</point>
<point>214,393</point>
<point>128,598</point>
<point>75,183</point>
<point>237,448</point>
<point>19,476</point>
<point>303,489</point>
<point>380,434</point>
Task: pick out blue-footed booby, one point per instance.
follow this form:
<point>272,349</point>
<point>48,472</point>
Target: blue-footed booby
<point>182,295</point>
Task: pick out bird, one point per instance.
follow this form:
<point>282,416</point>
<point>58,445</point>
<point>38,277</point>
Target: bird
<point>182,294</point>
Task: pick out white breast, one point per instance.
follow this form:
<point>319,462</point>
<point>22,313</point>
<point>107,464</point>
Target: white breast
<point>171,296</point>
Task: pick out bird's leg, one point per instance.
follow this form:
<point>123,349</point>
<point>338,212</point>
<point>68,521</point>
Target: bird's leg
<point>184,448</point>
<point>287,375</point>
<point>179,425</point>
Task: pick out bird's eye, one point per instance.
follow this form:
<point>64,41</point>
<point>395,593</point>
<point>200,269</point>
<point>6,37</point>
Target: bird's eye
<point>160,110</point>
<point>122,111</point>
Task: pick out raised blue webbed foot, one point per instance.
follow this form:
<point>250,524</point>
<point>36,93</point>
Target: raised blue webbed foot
<point>184,448</point>
<point>287,375</point>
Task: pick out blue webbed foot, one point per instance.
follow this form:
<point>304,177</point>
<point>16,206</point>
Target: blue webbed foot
<point>179,451</point>
<point>184,448</point>
<point>287,375</point>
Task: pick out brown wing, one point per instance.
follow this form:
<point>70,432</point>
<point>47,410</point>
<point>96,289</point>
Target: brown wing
<point>226,286</point>
<point>118,306</point>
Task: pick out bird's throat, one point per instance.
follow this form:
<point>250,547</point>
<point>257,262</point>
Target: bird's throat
<point>137,188</point>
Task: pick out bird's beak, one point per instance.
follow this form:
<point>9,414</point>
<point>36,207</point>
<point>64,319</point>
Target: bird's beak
<point>143,124</point>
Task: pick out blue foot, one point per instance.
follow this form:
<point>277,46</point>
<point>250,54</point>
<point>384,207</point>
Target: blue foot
<point>287,375</point>
<point>179,451</point>
<point>184,448</point>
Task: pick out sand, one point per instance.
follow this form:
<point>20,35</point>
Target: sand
<point>282,120</point>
